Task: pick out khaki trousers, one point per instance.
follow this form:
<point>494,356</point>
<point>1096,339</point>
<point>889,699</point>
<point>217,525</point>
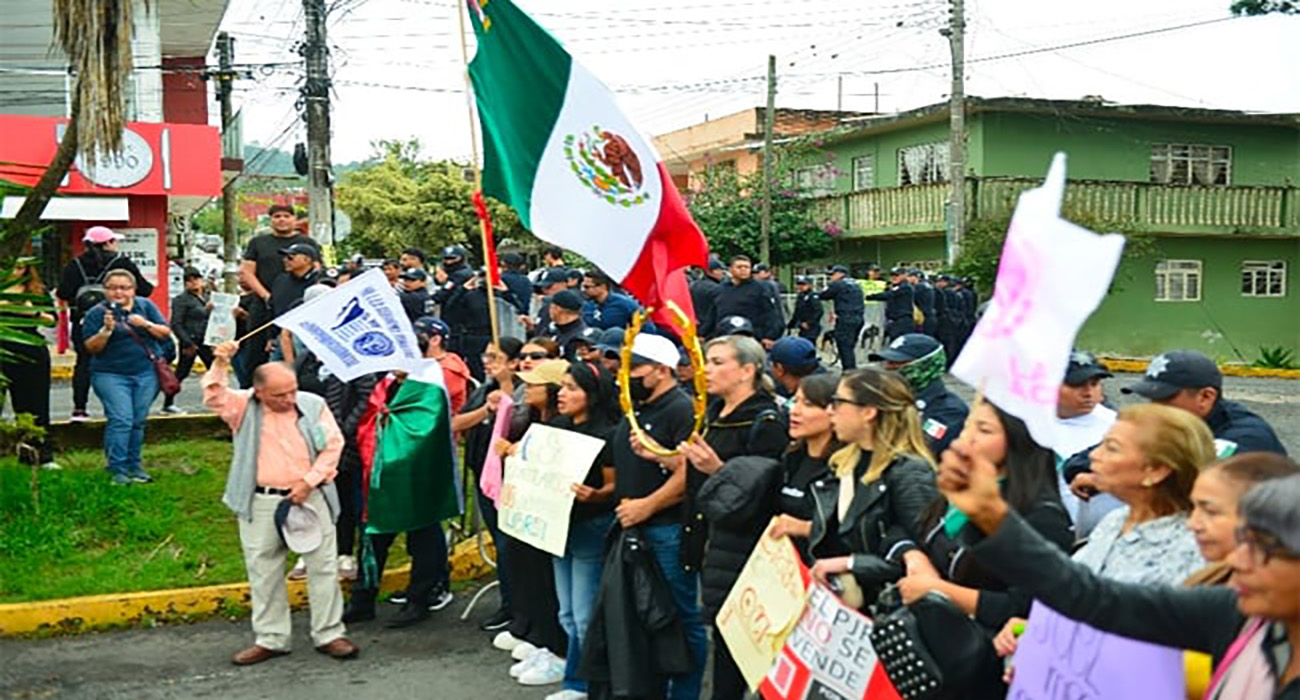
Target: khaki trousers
<point>264,557</point>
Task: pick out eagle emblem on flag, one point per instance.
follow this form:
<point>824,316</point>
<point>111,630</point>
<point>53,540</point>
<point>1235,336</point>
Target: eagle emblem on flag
<point>608,165</point>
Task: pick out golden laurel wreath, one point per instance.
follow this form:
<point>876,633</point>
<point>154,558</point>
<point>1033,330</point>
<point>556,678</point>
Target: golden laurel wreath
<point>692,343</point>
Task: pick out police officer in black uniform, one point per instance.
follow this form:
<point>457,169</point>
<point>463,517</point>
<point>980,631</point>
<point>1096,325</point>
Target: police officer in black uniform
<point>898,305</point>
<point>748,298</point>
<point>848,306</point>
<point>1191,381</point>
<point>704,295</point>
<point>924,298</point>
<point>947,306</point>
<point>455,273</point>
<point>566,322</point>
<point>922,362</point>
<point>807,317</point>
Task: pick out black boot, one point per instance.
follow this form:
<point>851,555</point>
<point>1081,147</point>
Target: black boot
<point>361,607</point>
<point>412,613</point>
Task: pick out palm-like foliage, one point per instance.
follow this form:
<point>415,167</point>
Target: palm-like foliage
<point>19,313</point>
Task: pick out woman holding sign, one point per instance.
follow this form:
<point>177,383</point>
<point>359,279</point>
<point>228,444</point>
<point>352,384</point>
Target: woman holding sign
<point>1251,629</point>
<point>884,480</point>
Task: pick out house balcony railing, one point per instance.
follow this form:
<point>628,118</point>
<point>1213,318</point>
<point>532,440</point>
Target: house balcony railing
<point>1138,207</point>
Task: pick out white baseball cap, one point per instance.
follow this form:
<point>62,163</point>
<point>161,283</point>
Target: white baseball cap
<point>656,349</point>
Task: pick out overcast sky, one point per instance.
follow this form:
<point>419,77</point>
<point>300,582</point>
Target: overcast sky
<point>398,71</point>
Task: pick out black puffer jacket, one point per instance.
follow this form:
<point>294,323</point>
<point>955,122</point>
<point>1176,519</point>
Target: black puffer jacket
<point>755,427</point>
<point>738,502</point>
<point>347,401</point>
<point>883,520</point>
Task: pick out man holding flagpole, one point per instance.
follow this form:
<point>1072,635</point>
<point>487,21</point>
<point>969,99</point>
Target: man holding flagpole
<point>286,453</point>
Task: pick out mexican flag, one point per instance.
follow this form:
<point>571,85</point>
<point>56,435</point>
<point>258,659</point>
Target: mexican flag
<point>557,148</point>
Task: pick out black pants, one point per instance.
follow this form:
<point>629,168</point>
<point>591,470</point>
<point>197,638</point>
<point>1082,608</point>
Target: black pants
<point>728,682</point>
<point>428,549</point>
<point>80,371</point>
<point>534,605</point>
<point>185,363</point>
<point>846,341</point>
<point>29,386</point>
<point>488,509</point>
<point>899,326</point>
<point>812,333</point>
<point>348,483</point>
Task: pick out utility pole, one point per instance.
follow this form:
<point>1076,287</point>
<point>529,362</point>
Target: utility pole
<point>769,122</point>
<point>230,270</point>
<point>316,94</point>
<point>956,33</point>
<point>839,93</point>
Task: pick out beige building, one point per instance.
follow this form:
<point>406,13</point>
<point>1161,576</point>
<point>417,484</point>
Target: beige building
<point>735,141</point>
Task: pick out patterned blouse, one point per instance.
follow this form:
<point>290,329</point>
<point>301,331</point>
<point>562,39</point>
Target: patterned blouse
<point>1160,551</point>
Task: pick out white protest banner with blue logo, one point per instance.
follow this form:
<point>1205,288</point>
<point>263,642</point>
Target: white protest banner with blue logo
<point>356,329</point>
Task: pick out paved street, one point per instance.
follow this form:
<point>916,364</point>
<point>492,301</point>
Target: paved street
<point>443,659</point>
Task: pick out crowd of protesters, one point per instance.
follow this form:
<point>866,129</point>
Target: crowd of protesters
<point>1175,521</point>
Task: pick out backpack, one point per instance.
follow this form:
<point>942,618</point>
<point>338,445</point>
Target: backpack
<point>91,292</point>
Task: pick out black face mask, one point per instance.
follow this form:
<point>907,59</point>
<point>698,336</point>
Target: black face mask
<point>637,388</point>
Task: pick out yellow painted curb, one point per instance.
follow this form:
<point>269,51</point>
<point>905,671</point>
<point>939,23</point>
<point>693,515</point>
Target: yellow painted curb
<point>1140,366</point>
<point>89,612</point>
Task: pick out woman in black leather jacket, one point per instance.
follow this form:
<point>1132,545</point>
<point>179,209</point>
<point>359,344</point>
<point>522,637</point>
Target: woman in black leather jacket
<point>869,513</point>
<point>808,459</point>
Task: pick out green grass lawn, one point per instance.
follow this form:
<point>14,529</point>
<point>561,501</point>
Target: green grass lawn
<point>89,537</point>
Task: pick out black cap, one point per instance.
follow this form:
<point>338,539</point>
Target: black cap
<point>840,269</point>
<point>716,264</point>
<point>611,341</point>
<point>794,352</point>
<point>512,259</point>
<point>414,273</point>
<point>906,348</point>
<point>735,325</point>
<point>590,335</point>
<point>301,249</point>
<point>576,273</point>
<point>431,325</point>
<point>554,275</point>
<point>761,267</point>
<point>897,271</point>
<point>1173,371</point>
<point>1084,367</point>
<point>567,299</point>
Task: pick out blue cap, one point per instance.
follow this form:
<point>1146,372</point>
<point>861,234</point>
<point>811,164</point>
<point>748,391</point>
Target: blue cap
<point>590,335</point>
<point>735,325</point>
<point>555,275</point>
<point>793,351</point>
<point>611,340</point>
<point>906,348</point>
<point>431,325</point>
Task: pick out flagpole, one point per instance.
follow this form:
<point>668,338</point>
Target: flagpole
<point>484,243</point>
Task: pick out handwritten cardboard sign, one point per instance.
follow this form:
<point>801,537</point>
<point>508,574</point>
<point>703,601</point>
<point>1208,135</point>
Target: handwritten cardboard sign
<point>1060,659</point>
<point>763,607</point>
<point>828,656</point>
<point>537,494</point>
<point>221,320</point>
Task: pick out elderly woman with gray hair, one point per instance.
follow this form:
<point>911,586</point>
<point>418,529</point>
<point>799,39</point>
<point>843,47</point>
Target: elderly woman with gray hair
<point>1251,628</point>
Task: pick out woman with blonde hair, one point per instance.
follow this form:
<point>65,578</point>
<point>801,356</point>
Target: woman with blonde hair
<point>869,514</point>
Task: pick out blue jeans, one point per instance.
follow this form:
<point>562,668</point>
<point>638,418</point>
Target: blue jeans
<point>577,583</point>
<point>126,399</point>
<point>666,541</point>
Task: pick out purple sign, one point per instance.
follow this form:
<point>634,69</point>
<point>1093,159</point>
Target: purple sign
<point>1060,659</point>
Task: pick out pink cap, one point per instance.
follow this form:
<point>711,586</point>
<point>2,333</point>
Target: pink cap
<point>100,234</point>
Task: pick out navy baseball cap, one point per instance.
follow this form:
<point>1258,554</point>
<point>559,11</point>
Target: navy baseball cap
<point>793,351</point>
<point>301,249</point>
<point>716,264</point>
<point>735,325</point>
<point>555,275</point>
<point>839,268</point>
<point>590,335</point>
<point>802,280</point>
<point>906,348</point>
<point>611,341</point>
<point>1084,367</point>
<point>414,273</point>
<point>567,299</point>
<point>431,325</point>
<point>1171,372</point>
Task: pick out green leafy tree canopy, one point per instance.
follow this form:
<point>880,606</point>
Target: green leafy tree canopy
<point>399,199</point>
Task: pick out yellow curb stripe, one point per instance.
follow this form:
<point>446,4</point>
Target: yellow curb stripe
<point>114,609</point>
<point>1140,367</point>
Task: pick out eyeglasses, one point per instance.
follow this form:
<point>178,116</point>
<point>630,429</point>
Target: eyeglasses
<point>837,401</point>
<point>534,356</point>
<point>1263,547</point>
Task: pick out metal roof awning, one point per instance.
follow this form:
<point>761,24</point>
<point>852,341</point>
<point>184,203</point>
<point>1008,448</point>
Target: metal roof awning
<point>73,208</point>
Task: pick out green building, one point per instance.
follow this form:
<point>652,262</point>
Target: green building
<point>1216,192</point>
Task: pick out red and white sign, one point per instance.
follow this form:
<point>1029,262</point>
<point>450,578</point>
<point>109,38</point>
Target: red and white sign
<point>156,159</point>
<point>828,656</point>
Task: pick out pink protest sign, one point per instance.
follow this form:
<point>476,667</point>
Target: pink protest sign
<point>1060,659</point>
<point>1051,277</point>
<point>491,480</point>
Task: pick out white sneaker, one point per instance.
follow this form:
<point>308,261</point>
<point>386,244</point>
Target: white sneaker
<point>348,567</point>
<point>522,651</point>
<point>506,641</point>
<point>520,666</point>
<point>548,671</point>
<point>567,694</point>
<point>52,466</point>
<point>299,570</point>
<point>172,411</point>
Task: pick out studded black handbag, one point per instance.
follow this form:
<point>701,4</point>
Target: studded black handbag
<point>931,649</point>
<point>896,637</point>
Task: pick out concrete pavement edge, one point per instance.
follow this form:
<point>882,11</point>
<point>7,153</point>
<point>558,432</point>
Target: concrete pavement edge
<point>70,615</point>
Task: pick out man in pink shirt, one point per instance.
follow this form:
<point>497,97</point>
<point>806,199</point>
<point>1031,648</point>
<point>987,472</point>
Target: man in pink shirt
<point>286,446</point>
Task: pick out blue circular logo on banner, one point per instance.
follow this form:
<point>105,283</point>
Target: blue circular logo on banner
<point>374,344</point>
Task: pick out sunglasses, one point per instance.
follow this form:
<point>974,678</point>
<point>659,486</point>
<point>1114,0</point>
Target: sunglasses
<point>534,356</point>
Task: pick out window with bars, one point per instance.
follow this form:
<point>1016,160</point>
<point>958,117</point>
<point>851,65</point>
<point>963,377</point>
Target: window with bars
<point>864,173</point>
<point>1178,280</point>
<point>1263,278</point>
<point>923,164</point>
<point>1191,164</point>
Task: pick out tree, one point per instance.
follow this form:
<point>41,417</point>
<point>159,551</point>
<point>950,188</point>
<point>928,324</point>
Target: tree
<point>398,199</point>
<point>1264,7</point>
<point>96,37</point>
<point>727,207</point>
